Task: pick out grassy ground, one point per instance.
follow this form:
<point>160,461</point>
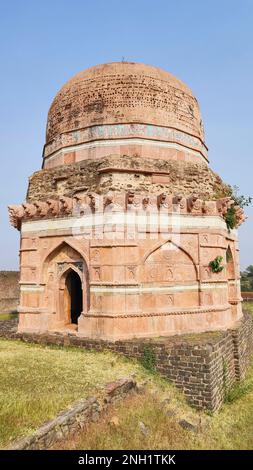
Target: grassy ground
<point>231,428</point>
<point>8,316</point>
<point>37,382</point>
<point>248,306</point>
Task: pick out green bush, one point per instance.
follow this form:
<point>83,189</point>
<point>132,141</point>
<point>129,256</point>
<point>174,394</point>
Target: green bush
<point>230,218</point>
<point>148,359</point>
<point>239,200</point>
<point>215,265</point>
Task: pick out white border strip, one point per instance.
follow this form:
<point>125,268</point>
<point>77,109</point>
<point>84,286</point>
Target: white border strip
<point>234,282</point>
<point>161,289</point>
<point>138,289</point>
<point>31,288</point>
<point>81,224</point>
<point>120,142</point>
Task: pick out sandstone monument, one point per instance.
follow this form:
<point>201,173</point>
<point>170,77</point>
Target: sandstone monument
<point>123,232</point>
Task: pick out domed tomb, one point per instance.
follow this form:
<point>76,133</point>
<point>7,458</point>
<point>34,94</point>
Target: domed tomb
<point>121,225</point>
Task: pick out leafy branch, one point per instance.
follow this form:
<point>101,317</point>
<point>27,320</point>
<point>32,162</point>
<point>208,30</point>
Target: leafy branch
<point>240,201</point>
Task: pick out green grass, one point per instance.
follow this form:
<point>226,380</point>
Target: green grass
<point>8,316</point>
<point>231,428</point>
<point>37,382</point>
<point>239,390</point>
<point>248,306</point>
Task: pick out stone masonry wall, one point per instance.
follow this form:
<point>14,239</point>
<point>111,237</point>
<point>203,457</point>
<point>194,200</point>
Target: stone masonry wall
<point>221,370</point>
<point>9,291</point>
<point>93,175</point>
<point>70,421</point>
<point>243,348</point>
<point>203,366</point>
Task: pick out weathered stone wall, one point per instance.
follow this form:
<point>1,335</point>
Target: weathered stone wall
<point>9,291</point>
<point>221,370</point>
<point>75,418</point>
<point>140,174</point>
<point>203,366</point>
<point>243,348</point>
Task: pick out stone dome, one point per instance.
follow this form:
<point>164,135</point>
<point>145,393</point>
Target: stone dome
<point>122,93</point>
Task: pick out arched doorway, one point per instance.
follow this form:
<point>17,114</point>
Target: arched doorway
<point>73,296</point>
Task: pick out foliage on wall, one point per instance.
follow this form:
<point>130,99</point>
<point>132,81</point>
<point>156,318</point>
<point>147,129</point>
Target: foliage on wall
<point>215,265</point>
<point>240,201</point>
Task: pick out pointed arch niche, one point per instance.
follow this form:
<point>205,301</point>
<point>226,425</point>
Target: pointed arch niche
<point>230,264</point>
<point>233,288</point>
<point>66,280</point>
<point>169,279</point>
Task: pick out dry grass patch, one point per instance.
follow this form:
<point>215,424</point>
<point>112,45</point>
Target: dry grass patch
<point>37,382</point>
<point>121,428</point>
<point>231,428</point>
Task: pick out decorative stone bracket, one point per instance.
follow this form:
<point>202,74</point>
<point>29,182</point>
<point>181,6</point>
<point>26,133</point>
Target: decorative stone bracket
<point>124,202</point>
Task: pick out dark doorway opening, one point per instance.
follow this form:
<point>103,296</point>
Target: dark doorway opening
<point>74,287</point>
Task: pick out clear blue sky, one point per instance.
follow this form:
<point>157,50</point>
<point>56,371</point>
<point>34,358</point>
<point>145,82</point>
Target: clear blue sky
<point>207,44</point>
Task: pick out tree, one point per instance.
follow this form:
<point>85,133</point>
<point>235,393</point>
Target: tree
<point>249,271</point>
<point>247,279</point>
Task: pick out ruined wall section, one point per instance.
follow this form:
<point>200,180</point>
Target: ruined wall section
<point>9,291</point>
<point>127,173</point>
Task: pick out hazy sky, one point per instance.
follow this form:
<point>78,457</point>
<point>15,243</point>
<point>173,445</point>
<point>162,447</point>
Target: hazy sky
<point>207,44</point>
